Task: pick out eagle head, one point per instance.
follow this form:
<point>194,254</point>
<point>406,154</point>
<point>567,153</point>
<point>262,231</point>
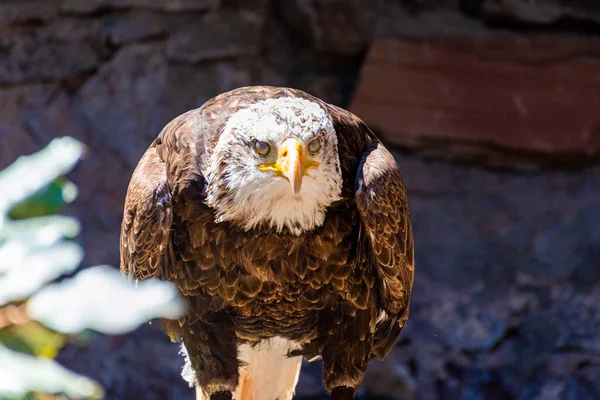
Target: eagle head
<point>275,165</point>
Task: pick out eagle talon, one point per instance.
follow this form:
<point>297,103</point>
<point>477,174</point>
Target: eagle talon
<point>342,393</point>
<point>221,396</point>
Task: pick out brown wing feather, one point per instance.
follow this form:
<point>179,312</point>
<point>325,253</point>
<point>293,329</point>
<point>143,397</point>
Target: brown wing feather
<point>167,174</point>
<point>147,218</point>
<point>382,205</point>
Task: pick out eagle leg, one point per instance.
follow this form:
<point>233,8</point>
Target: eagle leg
<point>211,344</point>
<point>342,393</point>
<point>221,396</point>
<point>345,355</point>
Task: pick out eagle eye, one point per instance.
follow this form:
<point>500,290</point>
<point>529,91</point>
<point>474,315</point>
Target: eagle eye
<point>262,148</point>
<point>315,145</point>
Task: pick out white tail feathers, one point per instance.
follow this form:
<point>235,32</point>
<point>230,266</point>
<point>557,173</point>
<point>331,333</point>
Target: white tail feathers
<point>268,373</point>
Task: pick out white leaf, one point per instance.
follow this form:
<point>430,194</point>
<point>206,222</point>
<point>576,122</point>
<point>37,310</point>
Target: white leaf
<point>40,231</point>
<point>25,268</point>
<point>21,373</point>
<point>101,299</point>
<point>30,173</point>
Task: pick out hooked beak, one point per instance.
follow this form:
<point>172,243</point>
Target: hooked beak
<point>291,163</point>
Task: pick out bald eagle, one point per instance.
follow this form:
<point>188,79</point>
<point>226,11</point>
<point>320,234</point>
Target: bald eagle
<point>284,223</point>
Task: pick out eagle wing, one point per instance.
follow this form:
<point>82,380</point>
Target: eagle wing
<point>383,208</point>
<point>147,219</point>
<point>163,175</point>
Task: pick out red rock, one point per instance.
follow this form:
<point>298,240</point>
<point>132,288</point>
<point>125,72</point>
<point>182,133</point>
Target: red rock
<point>535,95</point>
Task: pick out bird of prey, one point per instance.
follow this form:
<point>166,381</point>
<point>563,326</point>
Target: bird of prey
<point>284,223</point>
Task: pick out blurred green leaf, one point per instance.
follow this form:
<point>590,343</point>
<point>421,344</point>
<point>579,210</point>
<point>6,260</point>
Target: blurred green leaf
<point>49,200</point>
<point>101,299</point>
<point>21,374</point>
<point>30,174</point>
<point>33,338</point>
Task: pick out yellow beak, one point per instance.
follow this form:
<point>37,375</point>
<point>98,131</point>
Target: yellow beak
<point>291,163</point>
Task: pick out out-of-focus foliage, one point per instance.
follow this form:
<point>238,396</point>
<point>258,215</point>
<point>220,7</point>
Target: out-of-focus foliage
<point>37,255</point>
<point>21,373</point>
<point>29,178</point>
<point>106,302</point>
<point>37,317</point>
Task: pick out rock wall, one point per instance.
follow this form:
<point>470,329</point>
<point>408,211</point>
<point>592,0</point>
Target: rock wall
<point>508,261</point>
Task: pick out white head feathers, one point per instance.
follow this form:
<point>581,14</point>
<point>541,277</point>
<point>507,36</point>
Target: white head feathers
<point>248,197</point>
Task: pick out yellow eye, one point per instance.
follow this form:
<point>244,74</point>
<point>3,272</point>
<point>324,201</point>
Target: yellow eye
<point>315,145</point>
<point>262,148</point>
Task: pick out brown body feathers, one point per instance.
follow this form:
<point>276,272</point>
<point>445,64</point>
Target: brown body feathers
<point>342,289</point>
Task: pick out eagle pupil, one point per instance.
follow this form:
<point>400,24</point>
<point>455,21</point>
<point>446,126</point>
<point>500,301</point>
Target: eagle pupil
<point>262,148</point>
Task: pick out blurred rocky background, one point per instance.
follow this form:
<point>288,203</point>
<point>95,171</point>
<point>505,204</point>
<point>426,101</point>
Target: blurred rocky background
<point>493,107</point>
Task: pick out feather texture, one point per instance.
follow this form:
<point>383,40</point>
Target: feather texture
<point>341,289</point>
